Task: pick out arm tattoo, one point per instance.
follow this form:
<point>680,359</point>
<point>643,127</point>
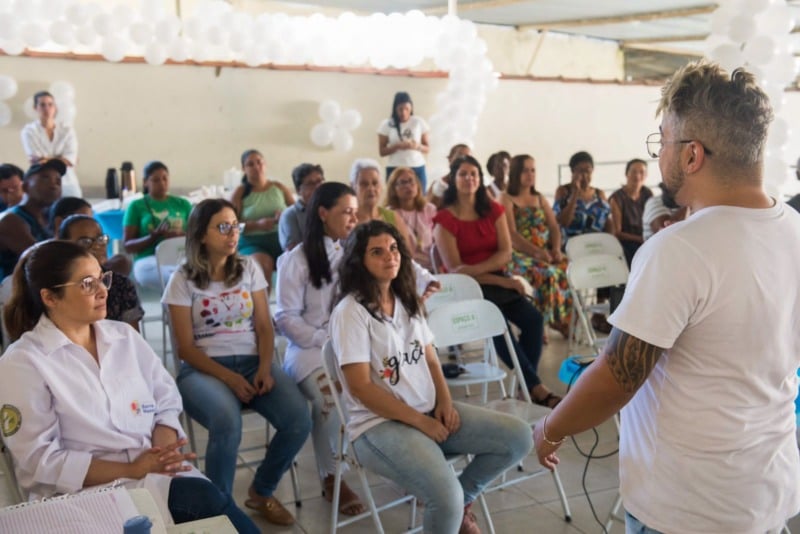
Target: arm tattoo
<point>630,359</point>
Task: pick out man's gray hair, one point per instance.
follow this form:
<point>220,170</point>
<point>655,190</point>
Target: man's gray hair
<point>359,165</point>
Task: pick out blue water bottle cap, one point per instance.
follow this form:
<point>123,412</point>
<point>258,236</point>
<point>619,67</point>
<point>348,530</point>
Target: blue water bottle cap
<point>139,524</point>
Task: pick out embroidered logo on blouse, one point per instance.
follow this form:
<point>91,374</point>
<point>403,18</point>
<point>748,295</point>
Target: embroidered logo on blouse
<point>391,364</point>
<point>10,420</point>
<point>136,408</point>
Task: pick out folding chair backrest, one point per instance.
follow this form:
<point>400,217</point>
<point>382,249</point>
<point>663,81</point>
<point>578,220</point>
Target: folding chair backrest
<point>592,244</point>
<point>170,252</point>
<point>436,260</point>
<point>466,321</point>
<point>594,271</point>
<point>455,287</point>
<point>330,364</point>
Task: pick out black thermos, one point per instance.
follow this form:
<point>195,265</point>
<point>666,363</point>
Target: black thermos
<point>112,183</point>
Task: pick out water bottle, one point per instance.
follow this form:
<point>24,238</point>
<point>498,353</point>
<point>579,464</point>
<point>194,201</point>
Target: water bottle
<point>139,524</point>
<point>127,177</point>
<point>112,184</point>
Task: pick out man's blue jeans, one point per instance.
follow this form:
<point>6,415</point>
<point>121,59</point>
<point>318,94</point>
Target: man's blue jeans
<point>212,404</point>
<point>417,463</point>
<point>192,498</point>
<point>634,526</point>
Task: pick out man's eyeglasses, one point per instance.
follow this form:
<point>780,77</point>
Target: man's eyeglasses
<point>655,143</point>
<point>91,285</point>
<point>228,228</point>
<point>90,242</point>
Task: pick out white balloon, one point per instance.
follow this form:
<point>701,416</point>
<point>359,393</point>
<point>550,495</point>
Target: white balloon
<point>329,111</point>
<point>34,34</point>
<point>140,33</point>
<point>237,42</point>
<point>742,28</point>
<point>757,6</point>
<point>62,33</point>
<point>13,47</point>
<point>103,24</point>
<point>8,87</point>
<point>255,56</point>
<point>349,120</point>
<point>86,35</point>
<point>77,13</point>
<point>63,92</point>
<point>214,35</point>
<point>779,132</point>
<point>122,15</point>
<point>5,114</point>
<point>151,10</point>
<point>178,50</point>
<point>775,171</point>
<point>759,50</point>
<point>25,9</point>
<point>193,27</point>
<point>342,140</point>
<point>155,54</point>
<point>322,134</point>
<point>66,114</point>
<point>9,27</point>
<point>53,8</point>
<point>114,48</point>
<point>167,28</point>
<point>728,55</point>
<point>200,52</point>
<point>28,109</point>
<point>778,20</point>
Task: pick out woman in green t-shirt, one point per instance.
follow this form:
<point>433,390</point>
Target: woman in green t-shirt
<point>151,219</point>
<point>259,203</point>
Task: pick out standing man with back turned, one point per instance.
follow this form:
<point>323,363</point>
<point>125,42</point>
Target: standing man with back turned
<point>706,342</point>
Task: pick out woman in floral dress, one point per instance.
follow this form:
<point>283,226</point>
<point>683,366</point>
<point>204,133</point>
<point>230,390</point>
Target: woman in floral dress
<point>536,241</point>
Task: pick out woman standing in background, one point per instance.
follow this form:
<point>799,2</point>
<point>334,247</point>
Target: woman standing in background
<point>403,138</point>
<point>45,139</point>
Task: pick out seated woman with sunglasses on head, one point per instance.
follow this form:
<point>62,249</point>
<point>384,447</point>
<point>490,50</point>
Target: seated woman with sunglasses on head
<point>86,402</point>
<point>221,322</point>
<point>123,302</point>
<point>402,419</point>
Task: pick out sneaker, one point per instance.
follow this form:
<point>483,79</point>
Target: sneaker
<point>269,507</point>
<point>469,524</point>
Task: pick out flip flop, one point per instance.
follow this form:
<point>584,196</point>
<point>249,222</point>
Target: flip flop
<point>349,502</point>
<point>551,400</point>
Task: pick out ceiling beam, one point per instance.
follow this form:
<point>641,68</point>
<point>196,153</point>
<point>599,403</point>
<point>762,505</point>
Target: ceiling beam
<point>664,39</point>
<point>470,6</point>
<point>665,50</point>
<point>645,16</point>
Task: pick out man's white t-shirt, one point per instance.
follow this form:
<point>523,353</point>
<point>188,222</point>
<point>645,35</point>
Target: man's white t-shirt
<point>708,442</point>
<point>395,350</point>
<point>222,317</point>
<point>414,128</point>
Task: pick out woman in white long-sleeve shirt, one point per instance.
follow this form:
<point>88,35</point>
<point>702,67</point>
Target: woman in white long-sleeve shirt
<point>45,139</point>
<point>306,285</point>
<point>86,402</point>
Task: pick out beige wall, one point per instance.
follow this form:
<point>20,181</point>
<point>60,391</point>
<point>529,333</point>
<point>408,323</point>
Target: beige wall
<point>199,123</point>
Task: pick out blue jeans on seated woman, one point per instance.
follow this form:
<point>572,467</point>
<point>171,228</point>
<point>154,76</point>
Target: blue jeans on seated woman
<point>417,463</point>
<point>212,404</point>
<point>192,498</point>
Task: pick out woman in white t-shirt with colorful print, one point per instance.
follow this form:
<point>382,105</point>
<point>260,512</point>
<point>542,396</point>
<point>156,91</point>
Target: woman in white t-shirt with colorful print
<point>403,138</point>
<point>221,322</point>
<point>401,417</point>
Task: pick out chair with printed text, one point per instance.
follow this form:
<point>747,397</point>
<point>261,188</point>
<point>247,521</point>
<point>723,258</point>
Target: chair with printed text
<point>345,455</point>
<point>480,320</point>
<point>585,275</point>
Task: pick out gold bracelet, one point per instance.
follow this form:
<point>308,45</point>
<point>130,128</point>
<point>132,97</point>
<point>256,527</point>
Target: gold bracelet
<point>544,434</point>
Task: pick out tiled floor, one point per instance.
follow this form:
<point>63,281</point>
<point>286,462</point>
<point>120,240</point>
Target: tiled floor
<point>530,506</point>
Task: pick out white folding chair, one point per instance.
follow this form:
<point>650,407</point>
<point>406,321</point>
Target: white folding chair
<point>345,455</point>
<point>7,466</point>
<point>593,244</point>
<point>188,424</point>
<point>469,321</point>
<point>169,253</point>
<point>585,275</point>
<point>436,259</point>
<point>455,287</point>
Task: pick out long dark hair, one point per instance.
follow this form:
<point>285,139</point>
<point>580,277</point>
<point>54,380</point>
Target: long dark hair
<point>514,186</point>
<point>400,97</point>
<point>43,266</point>
<point>326,196</point>
<point>483,204</point>
<point>197,267</point>
<point>355,279</point>
<point>248,187</point>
